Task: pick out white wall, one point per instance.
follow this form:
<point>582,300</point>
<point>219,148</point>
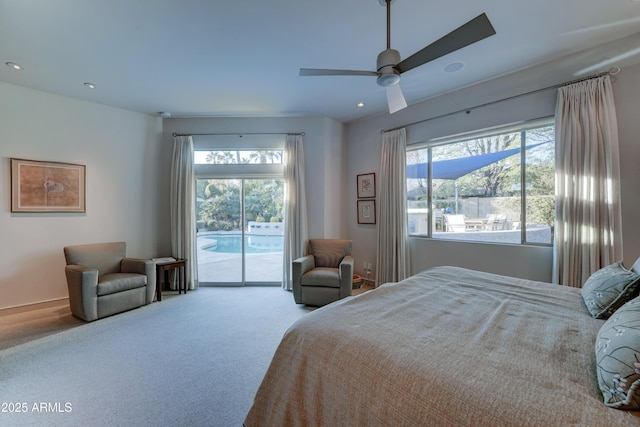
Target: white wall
<point>627,98</point>
<point>323,152</point>
<point>121,150</point>
<point>335,170</point>
<point>364,146</point>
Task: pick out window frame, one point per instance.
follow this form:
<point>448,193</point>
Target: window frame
<point>521,127</point>
<point>239,142</point>
<point>241,172</point>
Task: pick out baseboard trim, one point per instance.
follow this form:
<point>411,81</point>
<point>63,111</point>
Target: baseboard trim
<point>34,306</point>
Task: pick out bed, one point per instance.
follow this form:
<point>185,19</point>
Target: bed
<point>448,346</point>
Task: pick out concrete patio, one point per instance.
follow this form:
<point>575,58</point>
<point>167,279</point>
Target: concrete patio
<point>226,268</point>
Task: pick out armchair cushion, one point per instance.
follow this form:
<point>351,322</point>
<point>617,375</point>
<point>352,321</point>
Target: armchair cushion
<point>118,282</point>
<point>322,276</point>
<point>105,257</point>
<point>329,252</point>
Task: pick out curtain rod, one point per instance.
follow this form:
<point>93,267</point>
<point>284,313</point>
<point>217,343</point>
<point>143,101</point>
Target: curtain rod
<point>612,72</point>
<point>238,134</point>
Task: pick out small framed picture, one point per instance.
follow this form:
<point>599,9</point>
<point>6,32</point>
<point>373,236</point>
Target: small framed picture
<point>38,186</point>
<point>366,211</point>
<point>366,185</point>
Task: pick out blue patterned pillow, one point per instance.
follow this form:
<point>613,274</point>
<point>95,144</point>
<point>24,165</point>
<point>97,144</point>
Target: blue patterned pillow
<point>608,288</point>
<point>618,357</point>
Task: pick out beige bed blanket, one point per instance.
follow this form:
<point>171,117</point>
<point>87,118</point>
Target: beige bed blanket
<point>446,347</point>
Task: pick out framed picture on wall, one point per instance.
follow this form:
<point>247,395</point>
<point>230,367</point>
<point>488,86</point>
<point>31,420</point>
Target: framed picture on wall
<point>38,186</point>
<point>366,211</point>
<point>366,185</point>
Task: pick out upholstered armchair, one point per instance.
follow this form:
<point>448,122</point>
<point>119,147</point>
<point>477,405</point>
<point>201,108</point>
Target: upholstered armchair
<point>325,274</point>
<point>102,281</point>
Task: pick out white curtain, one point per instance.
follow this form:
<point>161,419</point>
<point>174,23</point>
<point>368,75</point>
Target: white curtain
<point>295,206</point>
<point>588,231</point>
<point>183,210</point>
<point>392,258</point>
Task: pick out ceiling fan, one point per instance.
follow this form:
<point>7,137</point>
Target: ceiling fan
<point>389,65</point>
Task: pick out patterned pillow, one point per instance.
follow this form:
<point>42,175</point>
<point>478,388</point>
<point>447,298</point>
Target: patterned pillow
<point>618,357</point>
<point>608,288</point>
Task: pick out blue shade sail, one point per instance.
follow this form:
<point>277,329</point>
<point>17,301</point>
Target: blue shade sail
<point>455,168</point>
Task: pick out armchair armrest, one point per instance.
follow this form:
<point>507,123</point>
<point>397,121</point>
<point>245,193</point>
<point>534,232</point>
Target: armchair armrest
<point>136,265</point>
<point>346,276</point>
<point>305,264</point>
<point>299,267</point>
<point>85,278</point>
<point>82,283</point>
<point>142,266</point>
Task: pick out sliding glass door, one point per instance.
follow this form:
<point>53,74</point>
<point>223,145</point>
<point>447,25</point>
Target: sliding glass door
<point>240,231</point>
<point>264,235</point>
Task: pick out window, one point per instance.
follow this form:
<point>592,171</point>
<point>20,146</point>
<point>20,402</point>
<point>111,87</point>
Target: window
<point>236,157</point>
<point>496,186</point>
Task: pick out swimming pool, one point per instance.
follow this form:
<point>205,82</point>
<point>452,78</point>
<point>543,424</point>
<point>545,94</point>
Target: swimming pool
<point>232,243</point>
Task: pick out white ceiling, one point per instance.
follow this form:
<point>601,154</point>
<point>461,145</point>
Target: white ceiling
<point>242,57</point>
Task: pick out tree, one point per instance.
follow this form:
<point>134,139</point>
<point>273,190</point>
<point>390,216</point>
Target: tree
<point>220,205</point>
<point>492,177</point>
<point>264,157</point>
<point>244,157</point>
<point>223,157</point>
<point>502,178</point>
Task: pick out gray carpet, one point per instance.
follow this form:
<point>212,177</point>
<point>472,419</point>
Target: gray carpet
<point>190,360</point>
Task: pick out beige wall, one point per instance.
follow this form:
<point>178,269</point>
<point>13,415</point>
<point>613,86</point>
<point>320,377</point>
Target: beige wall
<point>121,150</point>
<point>364,146</point>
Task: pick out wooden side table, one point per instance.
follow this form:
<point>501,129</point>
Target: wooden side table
<point>178,265</point>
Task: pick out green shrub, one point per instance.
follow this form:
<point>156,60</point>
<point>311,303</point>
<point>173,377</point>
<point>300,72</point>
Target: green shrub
<point>226,226</point>
<point>541,210</point>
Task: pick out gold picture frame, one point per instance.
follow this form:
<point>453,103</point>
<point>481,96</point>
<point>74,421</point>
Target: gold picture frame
<point>40,186</point>
<point>366,211</point>
<point>366,185</point>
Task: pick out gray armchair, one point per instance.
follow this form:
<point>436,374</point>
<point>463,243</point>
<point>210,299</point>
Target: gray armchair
<point>102,281</point>
<point>325,274</point>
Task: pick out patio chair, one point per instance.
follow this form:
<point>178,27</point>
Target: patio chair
<point>501,222</point>
<point>454,223</point>
<point>496,222</point>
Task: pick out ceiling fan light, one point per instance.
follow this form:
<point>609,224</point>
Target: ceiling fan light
<point>389,79</point>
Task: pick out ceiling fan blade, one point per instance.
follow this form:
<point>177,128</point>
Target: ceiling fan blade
<point>473,31</point>
<point>395,98</point>
<point>324,72</point>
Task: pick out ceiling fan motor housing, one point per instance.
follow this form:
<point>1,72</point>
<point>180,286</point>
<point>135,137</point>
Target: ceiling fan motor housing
<point>387,75</point>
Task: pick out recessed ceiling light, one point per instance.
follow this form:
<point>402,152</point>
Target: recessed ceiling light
<point>90,85</point>
<point>453,67</point>
<point>360,104</point>
<point>13,65</point>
